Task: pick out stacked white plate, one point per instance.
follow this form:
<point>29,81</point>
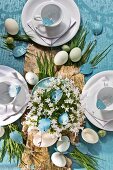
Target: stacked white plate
<point>11,114</point>
<point>103,119</point>
<point>61,34</point>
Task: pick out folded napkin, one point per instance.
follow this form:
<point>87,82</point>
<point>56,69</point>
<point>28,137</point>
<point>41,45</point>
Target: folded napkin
<point>49,41</point>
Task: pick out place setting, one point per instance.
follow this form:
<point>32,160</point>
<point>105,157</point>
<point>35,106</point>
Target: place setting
<point>51,23</point>
<point>14,95</point>
<point>98,100</point>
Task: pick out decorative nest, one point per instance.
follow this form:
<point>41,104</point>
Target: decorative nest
<point>39,157</point>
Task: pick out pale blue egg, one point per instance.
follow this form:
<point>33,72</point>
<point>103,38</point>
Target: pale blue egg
<point>16,136</point>
<point>56,95</point>
<point>44,124</point>
<point>97,28</point>
<point>19,51</point>
<point>63,118</point>
<point>86,69</point>
<point>100,104</point>
<point>14,90</point>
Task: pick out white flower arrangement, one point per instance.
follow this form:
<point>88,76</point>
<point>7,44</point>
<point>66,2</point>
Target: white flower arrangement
<point>58,106</point>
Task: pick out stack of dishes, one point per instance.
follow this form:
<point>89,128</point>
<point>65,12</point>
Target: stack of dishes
<point>98,100</point>
<point>51,22</point>
<point>12,106</point>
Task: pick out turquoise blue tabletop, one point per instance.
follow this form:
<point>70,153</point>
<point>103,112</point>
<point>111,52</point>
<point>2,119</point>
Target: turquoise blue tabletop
<point>91,11</point>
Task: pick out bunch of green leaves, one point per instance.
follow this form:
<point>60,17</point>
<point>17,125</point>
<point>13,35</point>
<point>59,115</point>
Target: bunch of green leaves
<point>45,65</point>
<point>87,161</point>
<point>18,37</point>
<point>80,41</point>
<point>100,56</point>
<point>13,149</point>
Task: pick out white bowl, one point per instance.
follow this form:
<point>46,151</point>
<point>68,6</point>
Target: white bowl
<point>90,136</point>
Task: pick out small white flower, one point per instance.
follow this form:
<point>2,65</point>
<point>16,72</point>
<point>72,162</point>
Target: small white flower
<point>47,100</point>
<point>66,109</point>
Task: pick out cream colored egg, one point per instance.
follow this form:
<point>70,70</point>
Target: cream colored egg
<point>31,78</point>
<point>2,131</point>
<point>44,139</point>
<point>61,58</point>
<point>90,136</point>
<point>58,159</point>
<point>75,54</point>
<point>11,26</point>
<point>63,144</point>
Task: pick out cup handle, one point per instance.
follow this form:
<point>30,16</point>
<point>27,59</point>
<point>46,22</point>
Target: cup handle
<point>37,18</point>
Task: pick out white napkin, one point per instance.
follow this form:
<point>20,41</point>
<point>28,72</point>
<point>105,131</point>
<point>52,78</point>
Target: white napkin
<point>103,123</point>
<point>49,41</point>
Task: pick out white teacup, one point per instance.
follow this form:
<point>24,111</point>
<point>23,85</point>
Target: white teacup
<point>51,15</point>
<point>106,96</point>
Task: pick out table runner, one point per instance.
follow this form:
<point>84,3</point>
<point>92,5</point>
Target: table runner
<point>90,10</point>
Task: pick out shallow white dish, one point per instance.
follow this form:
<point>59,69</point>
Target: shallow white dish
<point>54,32</point>
<point>72,10</point>
<point>22,97</point>
<point>88,85</point>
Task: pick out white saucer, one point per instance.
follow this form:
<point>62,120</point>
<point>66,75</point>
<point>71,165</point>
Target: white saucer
<point>52,32</point>
<point>91,100</point>
<point>88,85</point>
<point>22,97</point>
<point>28,14</point>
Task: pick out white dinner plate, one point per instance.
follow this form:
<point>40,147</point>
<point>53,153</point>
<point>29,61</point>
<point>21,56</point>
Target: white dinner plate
<point>28,13</point>
<point>88,85</point>
<point>54,32</point>
<point>22,98</point>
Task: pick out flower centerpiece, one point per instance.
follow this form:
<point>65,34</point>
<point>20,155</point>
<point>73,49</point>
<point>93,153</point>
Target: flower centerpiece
<point>56,108</point>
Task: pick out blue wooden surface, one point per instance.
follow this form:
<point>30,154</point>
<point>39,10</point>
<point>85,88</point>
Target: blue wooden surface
<point>91,10</point>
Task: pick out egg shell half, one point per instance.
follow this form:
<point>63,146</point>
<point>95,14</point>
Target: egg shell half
<point>63,144</point>
<point>58,159</point>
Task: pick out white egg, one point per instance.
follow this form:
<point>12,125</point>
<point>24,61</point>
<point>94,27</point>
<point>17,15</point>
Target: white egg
<point>75,54</point>
<point>63,144</point>
<point>2,131</point>
<point>58,159</point>
<point>44,139</point>
<point>61,58</point>
<point>11,26</point>
<point>31,78</point>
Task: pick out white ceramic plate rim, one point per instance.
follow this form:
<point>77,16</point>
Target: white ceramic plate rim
<point>74,12</point>
<point>16,117</point>
<point>109,126</point>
